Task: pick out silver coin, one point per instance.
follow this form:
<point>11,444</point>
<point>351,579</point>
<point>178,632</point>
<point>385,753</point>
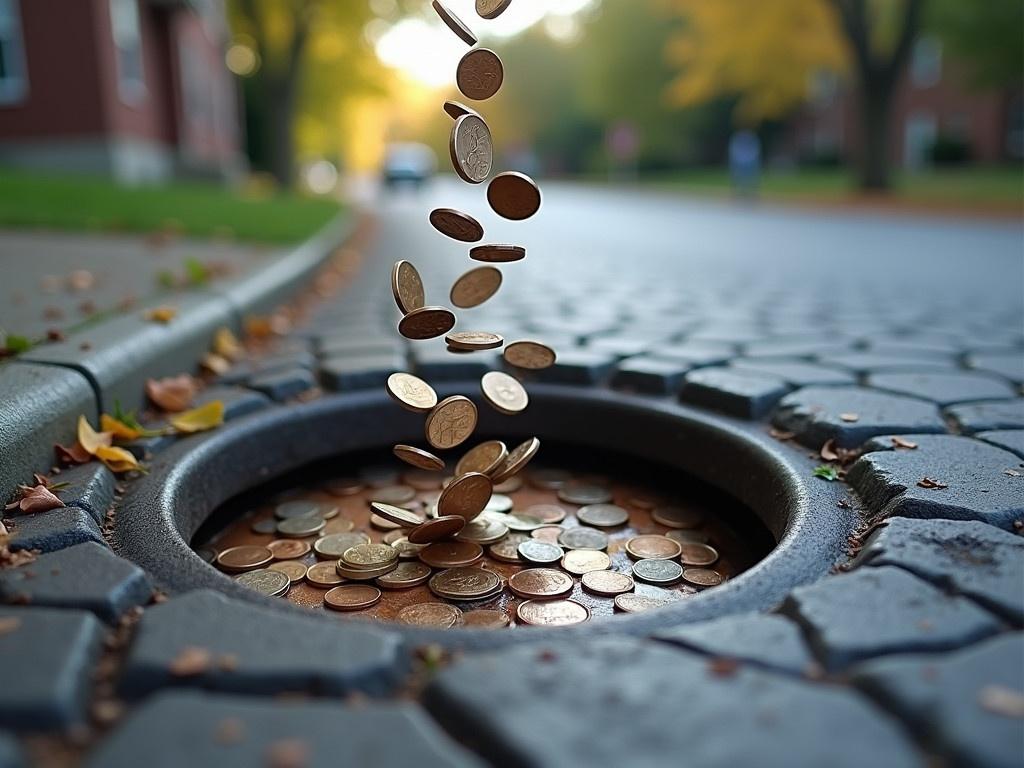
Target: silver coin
<point>334,545</point>
<point>265,581</point>
<point>483,530</point>
<point>266,525</point>
<point>540,552</point>
<point>517,522</point>
<point>584,493</point>
<point>658,571</point>
<point>301,527</point>
<point>677,517</point>
<point>291,509</point>
<point>499,502</point>
<point>602,515</point>
<point>583,538</point>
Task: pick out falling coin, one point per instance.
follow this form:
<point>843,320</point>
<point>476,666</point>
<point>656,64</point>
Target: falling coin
<point>531,355</point>
<point>697,554</point>
<point>513,195</point>
<point>288,549</point>
<point>484,458</point>
<point>484,618</point>
<point>451,422</point>
<point>435,615</point>
<point>602,515</point>
<point>407,286</point>
<point>265,581</point>
<point>324,575</point>
<point>397,515</point>
<point>456,225</point>
<point>471,148</point>
<point>475,287</point>
<point>540,584</point>
<point>454,23</point>
<point>607,583</point>
<point>517,458</point>
<point>451,554</point>
<point>426,323</point>
<point>244,558</point>
<point>540,552</point>
<point>650,546</point>
<point>334,545</point>
<point>405,576</point>
<point>677,517</point>
<point>456,109</point>
<point>352,597</point>
<point>577,492</point>
<point>491,9</point>
<point>507,550</point>
<point>473,340</point>
<point>552,613</point>
<point>583,538</point>
<point>295,572</point>
<point>466,496</point>
<point>411,392</point>
<point>581,561</point>
<point>658,571</point>
<point>479,74</point>
<point>417,457</point>
<point>497,254</point>
<point>702,577</point>
<point>504,392</point>
<point>437,529</point>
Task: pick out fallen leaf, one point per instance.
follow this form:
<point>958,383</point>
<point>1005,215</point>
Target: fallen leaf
<point>90,439</point>
<point>173,393</point>
<point>200,419</point>
<point>117,428</point>
<point>9,624</point>
<point>226,344</point>
<point>190,661</point>
<point>215,363</point>
<point>117,459</point>
<point>828,451</point>
<point>849,418</point>
<point>927,482</point>
<point>162,314</point>
<point>76,454</point>
<point>38,498</point>
<point>1000,700</point>
<point>902,442</point>
<point>826,472</point>
<point>287,753</point>
<point>722,666</point>
<point>779,434</point>
<point>81,280</point>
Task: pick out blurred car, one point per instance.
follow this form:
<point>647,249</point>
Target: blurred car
<point>412,163</point>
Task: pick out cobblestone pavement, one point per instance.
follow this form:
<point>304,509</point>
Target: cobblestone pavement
<point>835,328</point>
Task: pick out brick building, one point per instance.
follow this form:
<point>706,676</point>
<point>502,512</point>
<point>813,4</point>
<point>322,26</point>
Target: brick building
<point>135,89</point>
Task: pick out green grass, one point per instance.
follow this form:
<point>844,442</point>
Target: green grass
<point>194,209</point>
<point>999,188</point>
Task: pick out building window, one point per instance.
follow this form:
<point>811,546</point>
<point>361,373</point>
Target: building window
<point>124,24</point>
<point>926,63</point>
<point>13,76</point>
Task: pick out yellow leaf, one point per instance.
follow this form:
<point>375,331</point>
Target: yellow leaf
<point>162,314</point>
<point>226,344</point>
<point>118,429</point>
<point>200,419</point>
<point>117,459</point>
<point>90,439</point>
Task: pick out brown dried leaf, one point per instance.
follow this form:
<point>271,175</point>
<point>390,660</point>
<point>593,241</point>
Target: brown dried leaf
<point>173,394</point>
<point>190,661</point>
<point>215,364</point>
<point>227,345</point>
<point>76,454</point>
<point>828,451</point>
<point>902,442</point>
<point>928,482</point>
<point>723,666</point>
<point>9,624</point>
<point>39,499</point>
<point>287,753</point>
<point>779,434</point>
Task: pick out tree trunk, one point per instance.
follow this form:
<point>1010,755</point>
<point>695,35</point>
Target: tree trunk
<point>876,127</point>
<point>279,113</point>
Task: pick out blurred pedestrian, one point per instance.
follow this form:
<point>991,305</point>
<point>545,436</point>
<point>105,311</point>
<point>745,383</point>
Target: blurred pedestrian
<point>745,163</point>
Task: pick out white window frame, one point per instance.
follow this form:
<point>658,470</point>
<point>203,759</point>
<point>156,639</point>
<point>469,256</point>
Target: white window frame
<point>14,84</point>
<point>926,63</point>
<point>126,33</point>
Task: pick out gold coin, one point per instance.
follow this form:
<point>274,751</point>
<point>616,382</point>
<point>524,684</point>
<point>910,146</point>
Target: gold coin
<point>451,554</point>
<point>483,618</point>
<point>352,597</point>
<point>462,583</point>
<point>295,571</point>
<point>396,515</point>
<point>265,581</point>
<point>417,457</point>
<point>517,458</point>
<point>540,584</point>
<point>513,195</point>
<point>475,287</point>
<point>456,109</point>
<point>334,545</point>
<point>288,549</point>
<point>652,547</point>
<point>455,24</point>
<point>581,561</point>
<point>697,554</point>
<point>471,148</point>
<point>456,225</point>
<point>437,529</point>
<point>507,550</point>
<point>434,615</point>
<point>324,575</point>
<point>491,9</point>
<point>631,603</point>
<point>497,254</point>
<point>677,517</point>
<point>451,422</point>
<point>411,392</point>
<point>405,576</point>
<point>504,392</point>
<point>407,286</point>
<point>465,496</point>
<point>426,323</point>
<point>483,458</point>
<point>607,583</point>
<point>369,555</point>
<point>473,340</point>
<point>552,613</point>
<point>531,355</point>
<point>479,74</point>
<point>244,558</point>
<point>702,577</point>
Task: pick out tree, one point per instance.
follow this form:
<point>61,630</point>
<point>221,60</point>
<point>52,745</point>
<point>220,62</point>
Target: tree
<point>986,35</point>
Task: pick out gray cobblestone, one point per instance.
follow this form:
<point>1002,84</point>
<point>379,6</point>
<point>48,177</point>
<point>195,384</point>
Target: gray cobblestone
<point>739,393</point>
<point>89,486</point>
<point>987,416</point>
<point>283,385</point>
<point>53,530</point>
<point>1010,439</point>
<point>943,388</point>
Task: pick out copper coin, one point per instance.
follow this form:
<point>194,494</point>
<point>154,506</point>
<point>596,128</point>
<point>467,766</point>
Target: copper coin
<point>451,422</point>
<point>465,496</point>
<point>607,583</point>
<point>548,533</point>
<point>583,538</point>
<point>473,340</point>
<point>337,525</point>
<point>344,486</point>
<point>697,554</point>
<point>581,561</point>
<point>451,554</point>
<point>265,581</point>
<point>471,148</point>
<point>531,355</point>
<point>578,492</point>
<point>642,501</point>
<point>426,323</point>
<point>362,573</point>
<point>407,287</point>
<point>475,287</point>
<point>405,576</point>
<point>702,577</point>
<point>504,393</point>
<point>650,546</point>
<point>434,615</point>
<point>549,513</point>
<point>513,195</point>
<point>352,597</point>
<point>411,392</point>
<point>383,524</point>
<point>334,545</point>
<point>454,23</point>
<point>602,515</point>
<point>677,517</point>
<point>323,575</point>
<point>417,457</point>
<point>462,583</point>
<point>507,550</point>
<point>288,549</point>
<point>552,613</point>
<point>303,508</point>
<point>456,109</point>
<point>483,530</point>
<point>689,536</point>
<point>631,603</point>
<point>397,515</point>
<point>491,9</point>
<point>456,225</point>
<point>486,619</point>
<point>658,571</point>
<point>517,458</point>
<point>484,458</point>
<point>497,253</point>
<point>540,584</point>
<point>479,74</point>
<point>244,558</point>
<point>295,571</point>
<point>437,529</point>
<point>301,527</point>
<point>266,525</point>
